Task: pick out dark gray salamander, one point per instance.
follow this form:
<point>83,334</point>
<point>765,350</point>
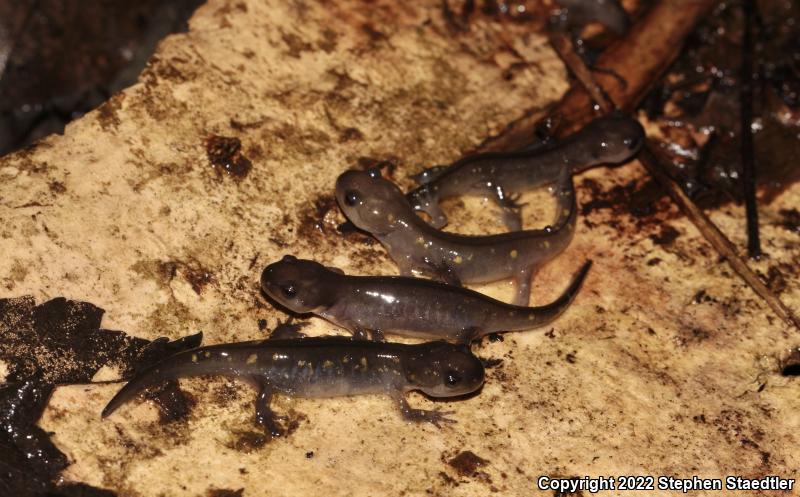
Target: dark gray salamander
<point>609,13</point>
<point>502,175</point>
<point>377,206</point>
<point>324,367</point>
<point>413,307</point>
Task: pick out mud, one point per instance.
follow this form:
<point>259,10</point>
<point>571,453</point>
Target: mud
<point>58,342</point>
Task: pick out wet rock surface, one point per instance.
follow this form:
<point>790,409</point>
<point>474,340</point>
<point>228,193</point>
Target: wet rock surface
<point>58,342</point>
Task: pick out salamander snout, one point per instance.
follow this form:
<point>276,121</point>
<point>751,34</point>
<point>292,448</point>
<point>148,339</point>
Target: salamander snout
<point>445,370</point>
<point>371,202</point>
<point>614,140</point>
<point>297,284</point>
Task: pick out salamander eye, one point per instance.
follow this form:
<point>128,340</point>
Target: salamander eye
<point>452,378</point>
<point>289,290</point>
<point>351,198</point>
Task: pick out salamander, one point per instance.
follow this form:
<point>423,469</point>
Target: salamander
<point>502,175</point>
<point>324,367</point>
<point>377,206</point>
<point>413,307</point>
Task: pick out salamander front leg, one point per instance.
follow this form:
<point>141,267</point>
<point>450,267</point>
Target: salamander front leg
<point>511,208</point>
<point>288,329</point>
<point>523,282</point>
<point>264,415</point>
<point>435,417</point>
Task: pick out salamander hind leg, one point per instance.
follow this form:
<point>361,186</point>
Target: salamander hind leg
<point>512,209</point>
<point>264,415</point>
<point>435,417</point>
<point>426,199</point>
<point>523,283</point>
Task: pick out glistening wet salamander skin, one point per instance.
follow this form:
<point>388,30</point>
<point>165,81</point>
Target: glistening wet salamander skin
<point>377,206</point>
<point>394,304</point>
<point>324,367</point>
<point>501,175</point>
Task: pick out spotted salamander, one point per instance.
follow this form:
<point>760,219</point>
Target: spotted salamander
<point>324,367</point>
<point>377,206</point>
<point>502,175</point>
<point>413,307</point>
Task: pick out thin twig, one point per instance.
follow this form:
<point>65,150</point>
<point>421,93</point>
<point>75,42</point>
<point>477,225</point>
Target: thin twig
<point>649,160</point>
<point>748,154</point>
<point>715,237</point>
<point>565,49</point>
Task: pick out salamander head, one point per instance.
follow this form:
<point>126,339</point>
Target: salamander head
<point>441,369</point>
<point>374,204</point>
<point>299,284</point>
<point>608,140</point>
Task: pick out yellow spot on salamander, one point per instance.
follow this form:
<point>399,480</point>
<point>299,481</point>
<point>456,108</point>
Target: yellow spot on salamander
<point>276,356</point>
<point>207,354</point>
<point>301,363</point>
<point>251,359</point>
<point>514,254</point>
<point>565,212</point>
<point>458,259</point>
<point>327,364</point>
<point>364,363</point>
<point>346,359</point>
<point>194,357</point>
<point>390,217</point>
<point>420,241</point>
<point>546,244</point>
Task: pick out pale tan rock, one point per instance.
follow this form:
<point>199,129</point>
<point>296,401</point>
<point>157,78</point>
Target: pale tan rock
<point>125,211</point>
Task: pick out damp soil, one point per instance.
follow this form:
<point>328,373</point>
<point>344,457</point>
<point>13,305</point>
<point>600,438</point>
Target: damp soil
<point>467,463</point>
<point>697,105</point>
<point>226,157</point>
<point>60,342</point>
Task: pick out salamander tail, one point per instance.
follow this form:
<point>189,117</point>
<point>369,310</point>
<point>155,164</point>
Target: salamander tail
<point>532,317</point>
<point>183,364</point>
